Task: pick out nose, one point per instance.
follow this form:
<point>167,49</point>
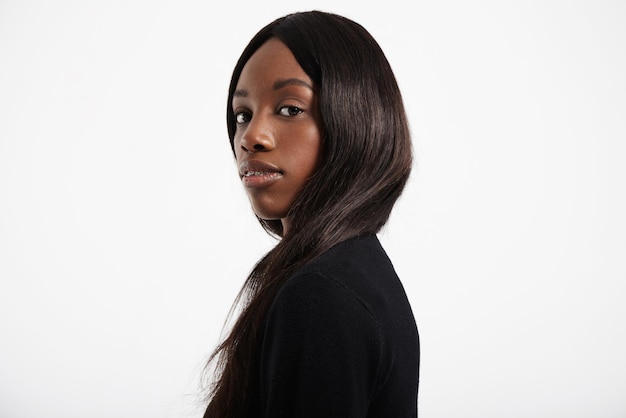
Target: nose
<point>256,136</point>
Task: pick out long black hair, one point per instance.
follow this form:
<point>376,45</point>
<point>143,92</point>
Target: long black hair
<point>365,163</point>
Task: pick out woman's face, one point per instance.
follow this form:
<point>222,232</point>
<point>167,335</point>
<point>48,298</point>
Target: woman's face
<point>278,137</point>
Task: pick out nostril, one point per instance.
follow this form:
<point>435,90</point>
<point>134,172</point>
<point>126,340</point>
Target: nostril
<point>258,147</point>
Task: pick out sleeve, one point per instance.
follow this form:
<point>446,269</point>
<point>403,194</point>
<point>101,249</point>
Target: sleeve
<point>321,351</point>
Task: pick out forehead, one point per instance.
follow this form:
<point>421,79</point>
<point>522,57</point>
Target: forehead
<point>272,61</point>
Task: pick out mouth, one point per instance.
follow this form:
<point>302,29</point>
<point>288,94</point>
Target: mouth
<point>256,174</point>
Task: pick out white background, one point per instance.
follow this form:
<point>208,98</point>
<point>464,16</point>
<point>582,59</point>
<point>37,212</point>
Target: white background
<point>124,234</point>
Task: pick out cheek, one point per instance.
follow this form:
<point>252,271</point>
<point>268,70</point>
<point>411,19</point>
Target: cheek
<point>308,150</point>
<point>237,148</point>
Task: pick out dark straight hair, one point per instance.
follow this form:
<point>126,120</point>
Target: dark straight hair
<point>365,163</point>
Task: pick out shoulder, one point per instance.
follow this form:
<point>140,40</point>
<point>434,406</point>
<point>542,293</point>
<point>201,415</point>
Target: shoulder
<point>352,287</point>
<point>358,268</point>
<point>350,276</point>
<point>315,320</point>
<point>319,342</point>
<point>316,302</point>
<point>341,327</point>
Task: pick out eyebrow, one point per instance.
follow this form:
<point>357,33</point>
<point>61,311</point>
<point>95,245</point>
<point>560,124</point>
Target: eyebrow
<point>278,84</point>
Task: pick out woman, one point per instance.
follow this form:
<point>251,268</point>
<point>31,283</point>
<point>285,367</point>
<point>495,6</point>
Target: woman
<point>319,132</point>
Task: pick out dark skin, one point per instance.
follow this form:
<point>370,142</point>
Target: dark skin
<point>278,138</point>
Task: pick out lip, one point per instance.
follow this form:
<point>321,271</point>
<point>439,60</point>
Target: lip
<point>256,174</point>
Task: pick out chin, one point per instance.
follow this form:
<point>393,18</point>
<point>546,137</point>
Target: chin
<point>269,215</point>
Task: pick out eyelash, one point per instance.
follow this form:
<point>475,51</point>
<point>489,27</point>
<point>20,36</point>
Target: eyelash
<point>244,117</point>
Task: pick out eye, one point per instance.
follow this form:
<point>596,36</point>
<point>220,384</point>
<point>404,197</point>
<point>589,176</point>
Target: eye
<point>289,111</point>
<point>242,117</point>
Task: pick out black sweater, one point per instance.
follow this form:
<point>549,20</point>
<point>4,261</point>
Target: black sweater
<point>340,339</point>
